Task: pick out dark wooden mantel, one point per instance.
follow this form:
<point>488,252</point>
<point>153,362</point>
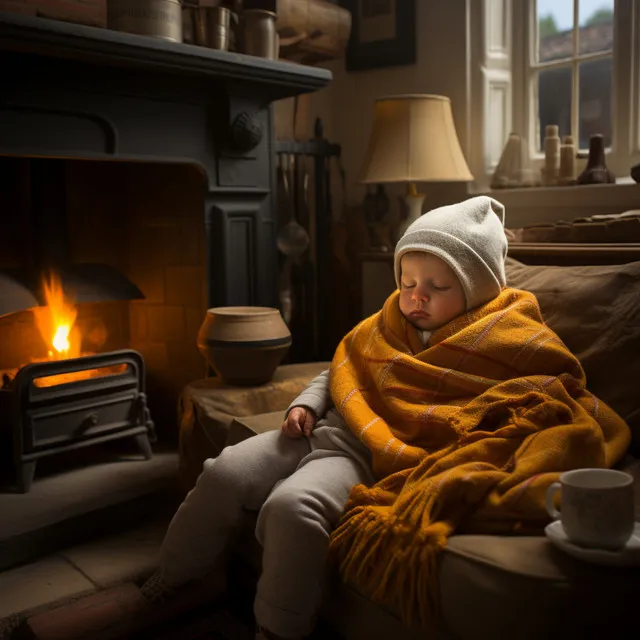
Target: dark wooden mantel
<point>274,79</point>
<point>72,91</point>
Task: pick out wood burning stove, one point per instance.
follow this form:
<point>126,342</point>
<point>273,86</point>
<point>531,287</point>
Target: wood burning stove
<point>65,399</point>
<point>52,407</point>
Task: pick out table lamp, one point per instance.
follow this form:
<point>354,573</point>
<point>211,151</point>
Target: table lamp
<point>413,139</point>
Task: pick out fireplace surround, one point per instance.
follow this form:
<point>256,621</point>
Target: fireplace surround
<point>173,143</point>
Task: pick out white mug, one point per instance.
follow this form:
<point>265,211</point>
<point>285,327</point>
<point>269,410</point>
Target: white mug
<point>597,507</point>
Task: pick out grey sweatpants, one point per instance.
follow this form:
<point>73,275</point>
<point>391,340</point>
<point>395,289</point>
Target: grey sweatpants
<point>300,487</point>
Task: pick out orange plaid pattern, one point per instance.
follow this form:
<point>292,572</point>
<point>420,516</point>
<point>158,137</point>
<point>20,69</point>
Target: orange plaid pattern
<point>466,433</point>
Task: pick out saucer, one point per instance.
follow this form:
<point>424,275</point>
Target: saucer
<point>628,556</point>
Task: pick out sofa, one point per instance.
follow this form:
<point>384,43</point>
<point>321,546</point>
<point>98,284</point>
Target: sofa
<point>520,587</point>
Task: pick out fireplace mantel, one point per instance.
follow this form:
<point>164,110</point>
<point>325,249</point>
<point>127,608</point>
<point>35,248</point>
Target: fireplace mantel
<point>104,47</point>
<point>72,91</point>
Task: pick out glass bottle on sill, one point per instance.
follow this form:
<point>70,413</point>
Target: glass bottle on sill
<point>596,171</point>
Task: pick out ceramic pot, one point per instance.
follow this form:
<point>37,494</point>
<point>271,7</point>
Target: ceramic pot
<point>244,345</point>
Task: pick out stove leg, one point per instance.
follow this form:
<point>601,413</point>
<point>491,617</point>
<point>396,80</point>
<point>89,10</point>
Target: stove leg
<point>26,471</point>
<point>142,440</point>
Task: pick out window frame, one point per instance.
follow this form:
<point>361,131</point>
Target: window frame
<point>625,111</point>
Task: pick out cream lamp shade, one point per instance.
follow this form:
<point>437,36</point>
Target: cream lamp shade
<point>413,139</point>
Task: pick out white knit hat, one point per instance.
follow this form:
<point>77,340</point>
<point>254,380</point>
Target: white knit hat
<point>469,237</point>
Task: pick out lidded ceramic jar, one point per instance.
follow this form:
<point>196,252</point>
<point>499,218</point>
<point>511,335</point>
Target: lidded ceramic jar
<point>244,345</point>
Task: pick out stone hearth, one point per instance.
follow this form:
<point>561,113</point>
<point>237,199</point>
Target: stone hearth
<point>100,490</point>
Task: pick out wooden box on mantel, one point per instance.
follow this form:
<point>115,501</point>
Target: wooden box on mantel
<point>310,31</point>
<point>91,12</point>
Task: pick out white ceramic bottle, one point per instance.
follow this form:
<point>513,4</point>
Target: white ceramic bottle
<point>551,170</point>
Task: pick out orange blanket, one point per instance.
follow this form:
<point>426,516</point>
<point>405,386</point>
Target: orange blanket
<point>466,433</point>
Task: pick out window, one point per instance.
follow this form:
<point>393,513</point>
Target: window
<point>572,68</point>
<point>576,65</point>
<point>573,63</point>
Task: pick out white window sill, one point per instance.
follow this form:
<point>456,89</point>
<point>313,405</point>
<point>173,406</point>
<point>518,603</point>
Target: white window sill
<point>532,205</point>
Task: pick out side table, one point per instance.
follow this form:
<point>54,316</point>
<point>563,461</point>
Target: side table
<point>207,407</point>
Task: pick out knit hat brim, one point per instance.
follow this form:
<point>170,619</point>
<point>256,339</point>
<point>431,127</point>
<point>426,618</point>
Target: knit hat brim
<point>468,237</point>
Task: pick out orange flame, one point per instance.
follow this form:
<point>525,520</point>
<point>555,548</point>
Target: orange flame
<point>56,324</point>
<point>56,321</point>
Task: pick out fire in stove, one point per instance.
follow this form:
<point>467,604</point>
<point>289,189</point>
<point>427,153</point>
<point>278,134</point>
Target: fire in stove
<point>70,399</point>
<point>56,323</point>
<point>62,397</point>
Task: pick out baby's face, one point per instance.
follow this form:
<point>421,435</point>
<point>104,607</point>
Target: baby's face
<point>430,293</point>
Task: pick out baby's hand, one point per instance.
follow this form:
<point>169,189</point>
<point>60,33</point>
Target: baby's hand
<point>300,421</point>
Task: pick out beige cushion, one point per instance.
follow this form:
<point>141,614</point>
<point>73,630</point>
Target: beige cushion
<point>596,312</point>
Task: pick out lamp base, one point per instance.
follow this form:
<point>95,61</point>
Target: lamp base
<point>414,202</point>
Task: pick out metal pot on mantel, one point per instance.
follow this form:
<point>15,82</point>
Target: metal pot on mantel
<point>156,18</point>
<point>244,345</point>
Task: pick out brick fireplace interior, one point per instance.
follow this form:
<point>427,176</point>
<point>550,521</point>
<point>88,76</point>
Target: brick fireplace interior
<point>145,221</point>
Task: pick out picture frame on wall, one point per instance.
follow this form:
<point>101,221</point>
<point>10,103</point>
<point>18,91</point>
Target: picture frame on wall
<point>383,33</point>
